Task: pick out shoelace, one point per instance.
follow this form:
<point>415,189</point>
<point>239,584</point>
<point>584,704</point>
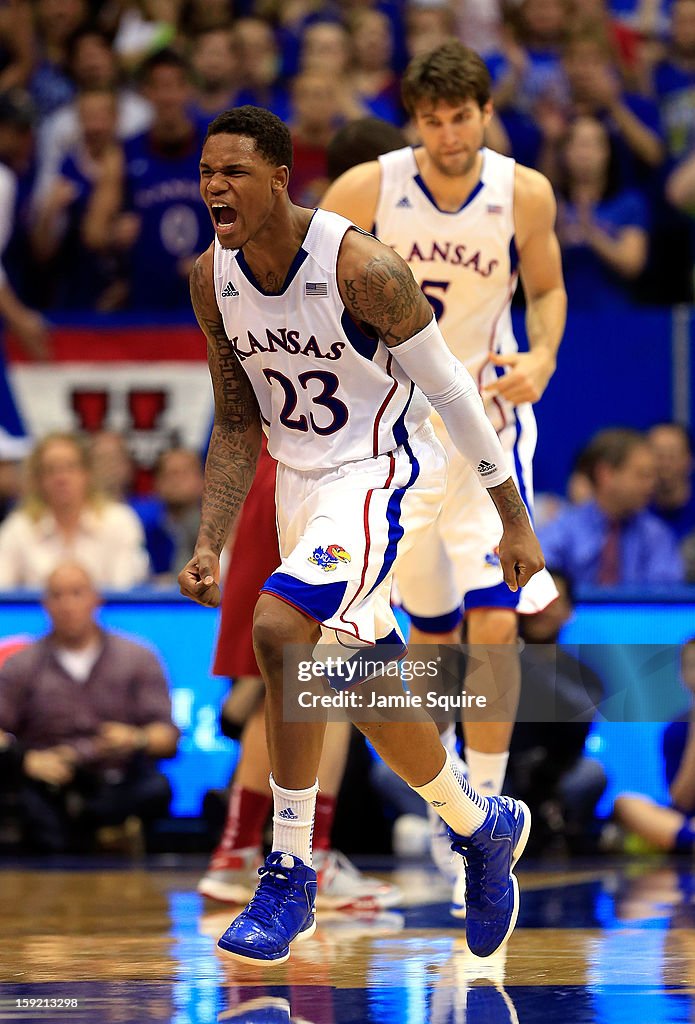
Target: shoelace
<point>270,894</point>
<point>476,870</point>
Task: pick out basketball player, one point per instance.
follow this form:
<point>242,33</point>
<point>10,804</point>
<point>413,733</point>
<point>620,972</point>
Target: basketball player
<point>319,334</point>
<point>468,221</point>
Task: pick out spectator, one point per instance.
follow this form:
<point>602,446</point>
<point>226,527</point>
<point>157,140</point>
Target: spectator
<point>596,91</point>
<point>10,477</point>
<point>198,16</point>
<point>674,81</point>
<point>166,225</point>
<point>613,538</point>
<point>16,44</point>
<point>259,59</point>
<point>672,828</point>
<point>602,228</point>
<point>75,219</point>
<point>92,64</point>
<point>90,713</point>
<point>143,27</point>
<point>326,48</point>
<point>63,517</point>
<point>56,22</point>
<point>215,65</point>
<point>373,76</point>
<point>429,26</point>
<point>28,326</point>
<point>674,493</point>
<point>113,469</point>
<point>171,523</point>
<point>680,187</point>
<point>316,113</point>
<point>548,767</point>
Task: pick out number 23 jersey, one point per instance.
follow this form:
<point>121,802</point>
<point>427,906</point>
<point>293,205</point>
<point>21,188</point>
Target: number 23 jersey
<point>328,392</point>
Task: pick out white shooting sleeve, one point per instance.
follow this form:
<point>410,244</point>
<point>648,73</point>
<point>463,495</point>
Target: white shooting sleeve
<point>452,392</point>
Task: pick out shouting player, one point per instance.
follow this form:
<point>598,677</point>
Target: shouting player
<point>318,334</point>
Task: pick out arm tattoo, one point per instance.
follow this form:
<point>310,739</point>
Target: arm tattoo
<point>508,501</point>
<point>235,440</point>
<point>386,296</point>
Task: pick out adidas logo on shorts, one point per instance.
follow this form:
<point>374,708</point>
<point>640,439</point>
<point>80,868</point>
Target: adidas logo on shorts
<point>485,468</point>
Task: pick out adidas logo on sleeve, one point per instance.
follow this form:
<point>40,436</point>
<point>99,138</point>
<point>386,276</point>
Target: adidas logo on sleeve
<point>485,468</point>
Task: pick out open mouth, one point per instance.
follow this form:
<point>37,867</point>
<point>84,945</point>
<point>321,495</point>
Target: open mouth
<point>225,216</point>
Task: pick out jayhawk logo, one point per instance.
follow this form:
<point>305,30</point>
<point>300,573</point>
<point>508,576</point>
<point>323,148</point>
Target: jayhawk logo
<point>493,557</point>
<point>328,559</point>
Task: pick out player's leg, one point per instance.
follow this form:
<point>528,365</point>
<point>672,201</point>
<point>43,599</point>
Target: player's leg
<point>341,884</point>
<point>663,827</point>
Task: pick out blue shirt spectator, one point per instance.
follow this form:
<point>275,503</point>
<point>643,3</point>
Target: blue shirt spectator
<point>170,225</point>
<point>574,543</point>
<point>614,539</point>
<point>674,81</point>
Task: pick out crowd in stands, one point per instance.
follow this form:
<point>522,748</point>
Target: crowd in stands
<point>103,107</point>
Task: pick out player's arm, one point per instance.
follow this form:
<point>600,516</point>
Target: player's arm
<point>355,194</point>
<point>540,266</point>
<point>234,444</point>
<point>378,289</point>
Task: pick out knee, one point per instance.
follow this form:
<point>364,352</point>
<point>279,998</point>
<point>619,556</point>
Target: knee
<point>492,626</point>
<point>275,626</point>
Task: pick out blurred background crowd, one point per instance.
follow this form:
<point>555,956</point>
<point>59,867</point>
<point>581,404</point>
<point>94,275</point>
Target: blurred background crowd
<point>103,108</point>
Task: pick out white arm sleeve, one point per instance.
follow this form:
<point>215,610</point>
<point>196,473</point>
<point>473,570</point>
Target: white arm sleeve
<point>451,390</point>
<point>8,189</point>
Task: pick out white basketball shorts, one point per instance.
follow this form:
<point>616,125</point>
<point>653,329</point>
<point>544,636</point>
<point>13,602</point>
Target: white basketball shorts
<point>342,531</point>
<point>454,567</point>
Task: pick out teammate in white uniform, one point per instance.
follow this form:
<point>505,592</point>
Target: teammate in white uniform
<point>320,332</point>
<point>468,221</point>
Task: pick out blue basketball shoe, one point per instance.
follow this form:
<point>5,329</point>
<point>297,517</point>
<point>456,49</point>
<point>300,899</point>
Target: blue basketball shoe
<point>281,911</point>
<point>492,891</point>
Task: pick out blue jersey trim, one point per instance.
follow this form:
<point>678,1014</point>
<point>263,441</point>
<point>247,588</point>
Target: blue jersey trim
<point>513,255</point>
<point>393,517</point>
<point>523,493</point>
<point>371,662</point>
<point>437,623</point>
<point>400,434</point>
<point>295,266</point>
<point>499,596</point>
<point>360,341</point>
<point>449,213</point>
<point>320,601</point>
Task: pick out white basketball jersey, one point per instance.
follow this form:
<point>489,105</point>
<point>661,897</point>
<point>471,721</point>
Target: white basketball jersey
<point>328,393</point>
<point>465,261</point>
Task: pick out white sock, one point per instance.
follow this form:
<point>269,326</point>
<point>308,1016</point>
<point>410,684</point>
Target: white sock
<point>293,820</point>
<point>454,800</point>
<point>486,771</point>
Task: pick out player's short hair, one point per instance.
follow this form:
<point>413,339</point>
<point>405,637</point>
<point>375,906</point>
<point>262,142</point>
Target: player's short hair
<point>453,73</point>
<point>611,447</point>
<point>271,135</point>
<point>360,141</point>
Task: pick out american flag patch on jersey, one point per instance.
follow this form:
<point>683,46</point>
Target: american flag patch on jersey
<point>316,288</point>
<point>494,208</point>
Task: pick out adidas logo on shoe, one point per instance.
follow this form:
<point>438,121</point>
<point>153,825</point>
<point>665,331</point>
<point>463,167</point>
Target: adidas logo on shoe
<point>229,291</point>
<point>288,814</point>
